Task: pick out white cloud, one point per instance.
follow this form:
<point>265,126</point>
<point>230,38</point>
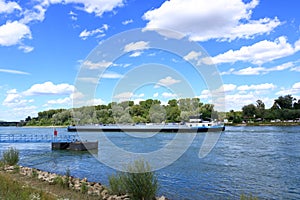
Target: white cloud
<point>97,7</point>
<point>61,101</point>
<point>13,33</point>
<point>26,49</point>
<point>13,71</point>
<point>168,95</point>
<point>111,75</point>
<point>90,6</point>
<point>193,55</point>
<point>99,32</point>
<point>136,46</point>
<point>155,95</point>
<point>48,88</point>
<point>124,96</point>
<point>294,90</point>
<point>14,99</point>
<point>73,15</point>
<point>95,102</point>
<point>129,21</point>
<point>166,82</point>
<point>37,13</point>
<point>91,65</point>
<point>9,7</point>
<point>258,53</point>
<point>136,54</point>
<point>296,69</point>
<point>259,70</point>
<point>264,86</point>
<point>223,20</point>
<point>93,80</point>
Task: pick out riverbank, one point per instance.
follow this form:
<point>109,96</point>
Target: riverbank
<point>55,186</point>
<point>19,182</point>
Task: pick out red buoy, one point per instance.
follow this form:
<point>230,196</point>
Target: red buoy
<point>55,132</point>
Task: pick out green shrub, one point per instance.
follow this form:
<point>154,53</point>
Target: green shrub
<point>67,177</point>
<point>11,156</point>
<point>84,188</point>
<point>58,180</point>
<point>139,182</point>
<point>116,184</point>
<point>34,173</point>
<point>246,197</point>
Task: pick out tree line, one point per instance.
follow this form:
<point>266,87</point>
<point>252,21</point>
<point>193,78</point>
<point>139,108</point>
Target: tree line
<point>284,108</point>
<point>126,112</point>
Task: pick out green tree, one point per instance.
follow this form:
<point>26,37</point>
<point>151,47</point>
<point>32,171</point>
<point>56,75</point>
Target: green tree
<point>260,109</point>
<point>284,102</point>
<point>249,111</point>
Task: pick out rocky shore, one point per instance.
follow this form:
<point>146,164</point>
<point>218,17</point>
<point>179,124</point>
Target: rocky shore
<point>75,184</point>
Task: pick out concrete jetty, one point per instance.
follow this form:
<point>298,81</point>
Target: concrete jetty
<point>75,146</point>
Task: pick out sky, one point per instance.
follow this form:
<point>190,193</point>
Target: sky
<point>46,47</point>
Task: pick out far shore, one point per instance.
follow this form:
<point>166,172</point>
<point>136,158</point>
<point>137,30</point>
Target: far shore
<point>265,124</point>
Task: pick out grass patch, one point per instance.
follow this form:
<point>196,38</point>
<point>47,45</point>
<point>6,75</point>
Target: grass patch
<point>139,182</point>
<point>10,157</point>
<point>13,190</point>
<point>248,197</point>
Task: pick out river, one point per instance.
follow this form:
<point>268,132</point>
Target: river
<point>262,161</point>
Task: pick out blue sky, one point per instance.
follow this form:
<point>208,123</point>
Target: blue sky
<point>44,44</point>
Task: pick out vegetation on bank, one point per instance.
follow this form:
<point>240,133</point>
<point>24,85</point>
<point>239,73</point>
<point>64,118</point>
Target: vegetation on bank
<point>125,112</point>
<point>285,109</point>
<point>138,181</point>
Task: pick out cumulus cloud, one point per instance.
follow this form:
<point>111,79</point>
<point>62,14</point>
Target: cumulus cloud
<point>96,65</point>
<point>193,55</point>
<point>99,32</point>
<point>48,88</point>
<point>294,90</point>
<point>136,54</point>
<point>9,7</point>
<point>168,95</point>
<point>264,86</point>
<point>235,97</point>
<point>89,6</point>
<point>12,33</point>
<point>26,49</point>
<point>166,82</point>
<point>61,101</point>
<point>124,96</point>
<point>127,22</point>
<point>258,53</point>
<point>37,13</point>
<point>259,70</point>
<point>136,46</point>
<point>111,75</point>
<point>202,21</point>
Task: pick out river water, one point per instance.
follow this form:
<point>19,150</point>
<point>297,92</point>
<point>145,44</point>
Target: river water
<point>261,161</point>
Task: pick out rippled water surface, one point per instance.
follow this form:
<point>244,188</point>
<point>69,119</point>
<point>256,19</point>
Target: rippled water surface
<point>262,161</point>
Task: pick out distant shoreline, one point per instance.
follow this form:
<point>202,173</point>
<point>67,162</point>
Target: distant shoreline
<point>265,124</point>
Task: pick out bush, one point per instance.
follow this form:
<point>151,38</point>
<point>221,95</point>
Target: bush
<point>34,173</point>
<point>246,197</point>
<point>139,182</point>
<point>11,156</point>
<point>58,180</point>
<point>84,188</point>
<point>116,184</point>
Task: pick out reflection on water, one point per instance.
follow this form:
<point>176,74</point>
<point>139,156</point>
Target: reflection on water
<point>262,161</point>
